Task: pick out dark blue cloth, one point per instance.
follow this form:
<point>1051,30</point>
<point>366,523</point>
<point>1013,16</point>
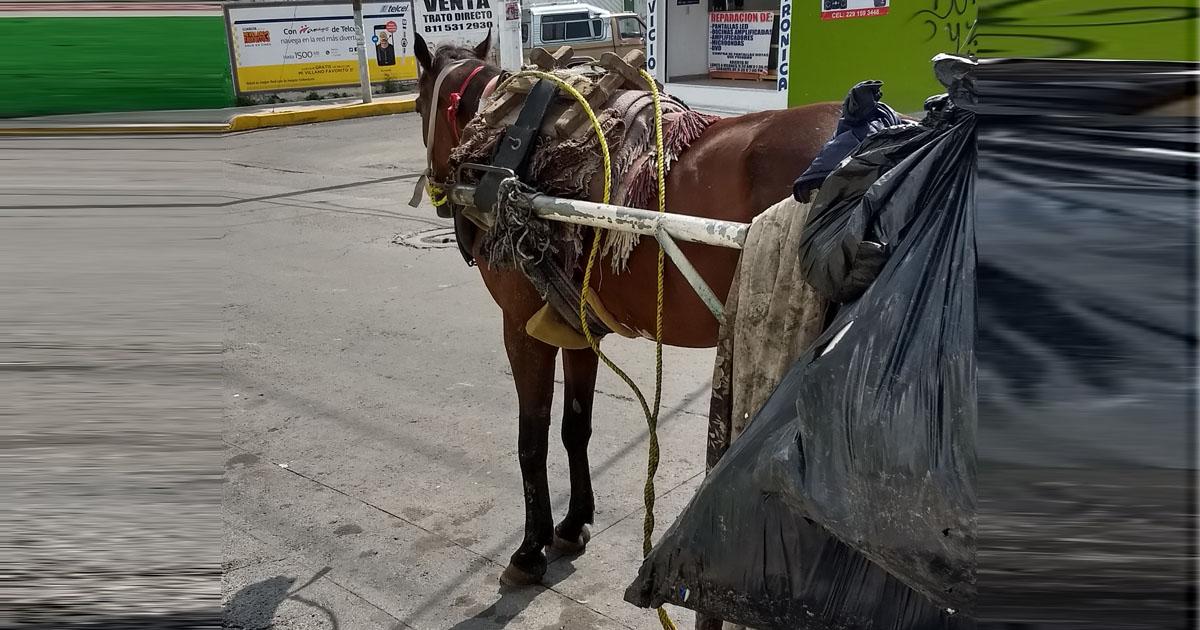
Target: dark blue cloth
<point>862,115</point>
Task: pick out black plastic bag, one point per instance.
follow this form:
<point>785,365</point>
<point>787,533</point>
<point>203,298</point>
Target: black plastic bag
<point>1086,376</point>
<point>1086,224</point>
<point>863,113</point>
<point>846,239</point>
<point>853,486</point>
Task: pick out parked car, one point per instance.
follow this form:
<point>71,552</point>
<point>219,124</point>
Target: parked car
<point>588,29</point>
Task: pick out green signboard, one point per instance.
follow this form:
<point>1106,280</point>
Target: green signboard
<point>73,63</point>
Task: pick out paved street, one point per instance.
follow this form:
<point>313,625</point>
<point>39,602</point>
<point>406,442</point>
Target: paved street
<point>369,426</point>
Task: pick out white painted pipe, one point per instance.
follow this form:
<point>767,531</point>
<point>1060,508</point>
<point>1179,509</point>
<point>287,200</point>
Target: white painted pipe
<point>603,215</point>
<point>692,276</point>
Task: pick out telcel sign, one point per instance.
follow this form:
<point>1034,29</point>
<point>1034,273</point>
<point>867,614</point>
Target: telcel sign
<point>299,46</point>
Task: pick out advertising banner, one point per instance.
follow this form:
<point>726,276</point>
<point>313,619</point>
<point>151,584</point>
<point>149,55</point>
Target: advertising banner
<point>740,41</point>
<point>299,46</point>
<point>843,9</point>
<point>461,22</point>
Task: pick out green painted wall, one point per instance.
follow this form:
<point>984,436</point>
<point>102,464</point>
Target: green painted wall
<point>60,65</point>
<point>1092,29</point>
<point>829,57</point>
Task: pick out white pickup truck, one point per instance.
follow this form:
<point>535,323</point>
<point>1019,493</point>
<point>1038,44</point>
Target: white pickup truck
<point>588,29</point>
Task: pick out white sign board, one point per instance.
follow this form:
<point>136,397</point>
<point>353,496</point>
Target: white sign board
<point>460,22</point>
<point>300,46</point>
<point>740,41</point>
<point>652,46</point>
<point>843,9</point>
<point>785,45</point>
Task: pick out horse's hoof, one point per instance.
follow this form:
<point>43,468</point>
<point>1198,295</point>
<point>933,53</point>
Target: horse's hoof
<point>514,576</point>
<point>571,547</point>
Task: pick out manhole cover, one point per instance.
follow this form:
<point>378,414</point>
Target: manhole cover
<point>436,238</point>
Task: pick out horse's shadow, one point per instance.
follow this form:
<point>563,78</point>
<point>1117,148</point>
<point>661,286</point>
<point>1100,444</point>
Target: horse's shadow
<point>514,600</point>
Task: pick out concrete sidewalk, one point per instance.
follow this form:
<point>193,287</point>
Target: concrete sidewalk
<point>217,121</point>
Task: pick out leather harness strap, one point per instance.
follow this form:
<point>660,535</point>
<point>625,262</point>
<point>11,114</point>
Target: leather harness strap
<point>512,153</point>
<point>517,145</point>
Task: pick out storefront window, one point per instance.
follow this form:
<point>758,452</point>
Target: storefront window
<point>738,5</point>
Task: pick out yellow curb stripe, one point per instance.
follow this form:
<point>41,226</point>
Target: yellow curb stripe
<point>246,122</point>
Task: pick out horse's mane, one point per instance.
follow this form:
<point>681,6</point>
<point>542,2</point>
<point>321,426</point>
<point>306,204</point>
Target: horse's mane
<point>449,53</point>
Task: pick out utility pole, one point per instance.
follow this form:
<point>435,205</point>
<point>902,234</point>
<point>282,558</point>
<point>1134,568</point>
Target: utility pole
<point>364,71</point>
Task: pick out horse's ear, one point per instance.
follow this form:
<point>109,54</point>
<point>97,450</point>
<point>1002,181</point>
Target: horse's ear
<point>485,46</point>
<point>422,53</point>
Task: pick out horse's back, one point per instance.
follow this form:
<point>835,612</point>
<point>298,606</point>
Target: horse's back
<point>744,164</point>
<point>740,167</point>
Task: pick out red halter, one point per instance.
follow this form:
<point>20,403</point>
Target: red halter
<point>455,98</point>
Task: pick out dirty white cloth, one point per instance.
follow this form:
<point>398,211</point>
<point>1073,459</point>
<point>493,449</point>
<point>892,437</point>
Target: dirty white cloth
<point>771,317</point>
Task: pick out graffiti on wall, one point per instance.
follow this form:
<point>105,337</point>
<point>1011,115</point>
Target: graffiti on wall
<point>1109,29</point>
<point>952,23</point>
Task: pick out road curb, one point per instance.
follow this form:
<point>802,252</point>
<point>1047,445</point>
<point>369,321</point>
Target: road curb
<point>248,122</point>
<point>103,130</point>
<point>240,122</point>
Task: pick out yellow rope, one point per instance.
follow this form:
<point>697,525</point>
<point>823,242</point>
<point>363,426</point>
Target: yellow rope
<point>652,420</point>
<point>437,196</point>
<point>651,414</point>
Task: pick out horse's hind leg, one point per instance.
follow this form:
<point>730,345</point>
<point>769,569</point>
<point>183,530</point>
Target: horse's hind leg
<point>533,373</point>
<point>579,371</point>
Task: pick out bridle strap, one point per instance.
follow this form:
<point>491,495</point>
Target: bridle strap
<point>456,98</point>
<point>431,128</point>
<point>437,91</point>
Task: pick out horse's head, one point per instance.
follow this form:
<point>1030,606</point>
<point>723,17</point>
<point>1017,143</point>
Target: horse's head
<point>451,85</point>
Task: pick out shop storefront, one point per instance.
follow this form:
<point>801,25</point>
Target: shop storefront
<point>736,56</point>
<point>721,55</point>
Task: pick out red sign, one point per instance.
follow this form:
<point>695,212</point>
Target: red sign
<point>391,27</point>
<point>853,13</point>
<point>256,37</point>
<point>846,9</point>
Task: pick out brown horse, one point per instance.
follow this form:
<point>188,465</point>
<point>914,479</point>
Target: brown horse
<point>737,169</point>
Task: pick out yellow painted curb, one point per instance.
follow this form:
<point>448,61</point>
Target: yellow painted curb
<point>247,122</point>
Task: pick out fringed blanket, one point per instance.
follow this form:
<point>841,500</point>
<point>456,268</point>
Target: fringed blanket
<point>571,168</point>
